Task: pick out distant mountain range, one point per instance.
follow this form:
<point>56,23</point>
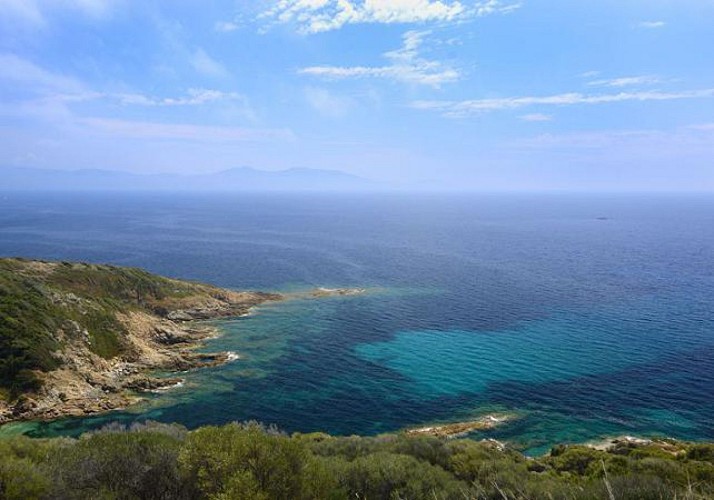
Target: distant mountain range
<point>235,179</point>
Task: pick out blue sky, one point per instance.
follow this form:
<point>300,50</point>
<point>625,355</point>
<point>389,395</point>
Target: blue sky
<point>521,94</point>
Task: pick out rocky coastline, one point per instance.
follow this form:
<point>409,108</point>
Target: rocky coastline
<point>162,341</point>
<point>159,332</point>
<point>97,334</point>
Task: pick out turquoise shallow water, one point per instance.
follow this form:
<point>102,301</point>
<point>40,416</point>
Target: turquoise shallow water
<point>526,304</point>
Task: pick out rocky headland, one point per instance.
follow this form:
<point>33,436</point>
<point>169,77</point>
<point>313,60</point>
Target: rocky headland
<point>82,338</point>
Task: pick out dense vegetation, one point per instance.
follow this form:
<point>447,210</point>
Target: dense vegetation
<point>43,304</point>
<point>249,461</point>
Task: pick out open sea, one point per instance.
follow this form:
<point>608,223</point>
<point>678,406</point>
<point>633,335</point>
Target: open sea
<point>585,315</point>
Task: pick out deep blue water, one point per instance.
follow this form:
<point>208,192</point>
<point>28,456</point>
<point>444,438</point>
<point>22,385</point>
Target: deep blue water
<point>586,316</point>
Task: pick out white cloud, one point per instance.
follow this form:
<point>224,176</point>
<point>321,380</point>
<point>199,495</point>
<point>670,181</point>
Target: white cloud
<point>206,65</point>
<point>407,66</point>
<point>32,79</point>
<point>627,81</point>
<point>315,16</point>
<point>536,117</point>
<point>195,97</point>
<point>652,24</point>
<point>327,103</point>
<point>226,26</point>
<point>474,106</point>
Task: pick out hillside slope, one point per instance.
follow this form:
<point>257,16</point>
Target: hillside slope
<point>79,338</point>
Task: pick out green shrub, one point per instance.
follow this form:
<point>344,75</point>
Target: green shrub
<point>390,475</point>
<point>247,458</point>
<point>119,465</point>
<point>22,473</point>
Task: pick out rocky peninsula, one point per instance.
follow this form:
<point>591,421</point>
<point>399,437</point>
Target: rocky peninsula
<point>81,338</point>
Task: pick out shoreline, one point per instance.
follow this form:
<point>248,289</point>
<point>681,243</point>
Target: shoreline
<point>158,341</point>
<point>88,385</point>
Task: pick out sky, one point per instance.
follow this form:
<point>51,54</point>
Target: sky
<point>486,95</point>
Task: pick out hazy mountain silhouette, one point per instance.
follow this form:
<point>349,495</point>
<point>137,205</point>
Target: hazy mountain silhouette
<point>235,179</point>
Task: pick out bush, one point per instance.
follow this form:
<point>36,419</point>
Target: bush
<point>243,460</point>
<point>119,465</point>
<point>389,475</point>
<point>249,461</point>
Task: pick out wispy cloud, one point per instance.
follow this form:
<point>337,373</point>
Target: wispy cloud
<point>36,81</point>
<point>226,26</point>
<point>32,77</point>
<point>206,65</point>
<point>627,81</point>
<point>406,65</point>
<point>536,117</point>
<point>195,97</point>
<point>475,106</point>
<point>315,16</point>
<point>651,24</point>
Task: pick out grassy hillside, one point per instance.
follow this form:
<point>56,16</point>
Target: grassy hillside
<point>45,306</point>
<point>249,461</point>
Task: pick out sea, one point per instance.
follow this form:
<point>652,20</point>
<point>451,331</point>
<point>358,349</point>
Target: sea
<point>583,316</point>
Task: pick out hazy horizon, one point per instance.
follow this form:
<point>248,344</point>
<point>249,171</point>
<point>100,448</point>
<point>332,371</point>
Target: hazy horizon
<point>251,180</point>
<point>497,95</point>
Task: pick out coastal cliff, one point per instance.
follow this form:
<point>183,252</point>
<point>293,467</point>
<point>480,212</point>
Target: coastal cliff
<point>81,338</point>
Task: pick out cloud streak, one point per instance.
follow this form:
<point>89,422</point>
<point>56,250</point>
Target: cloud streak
<point>652,24</point>
<point>476,106</point>
<point>536,117</point>
<point>195,97</point>
<point>406,66</point>
<point>316,16</point>
<point>627,81</point>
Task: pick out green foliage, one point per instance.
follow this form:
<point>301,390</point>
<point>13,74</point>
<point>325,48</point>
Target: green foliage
<point>244,461</point>
<point>126,285</point>
<point>393,476</point>
<point>701,452</point>
<point>118,464</point>
<point>38,300</point>
<point>250,461</point>
<point>578,460</point>
<point>22,475</point>
<point>27,325</point>
<point>105,332</point>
